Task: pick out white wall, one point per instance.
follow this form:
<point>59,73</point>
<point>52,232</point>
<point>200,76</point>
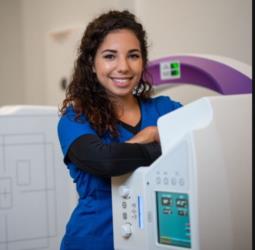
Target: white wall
<point>42,17</point>
<point>11,51</point>
<point>221,27</point>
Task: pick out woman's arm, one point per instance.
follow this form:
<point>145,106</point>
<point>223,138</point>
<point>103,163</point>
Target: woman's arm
<point>147,135</point>
<point>88,153</point>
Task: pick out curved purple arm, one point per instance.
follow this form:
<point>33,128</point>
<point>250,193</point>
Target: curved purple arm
<point>203,72</point>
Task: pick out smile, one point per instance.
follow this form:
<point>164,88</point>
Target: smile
<point>121,80</point>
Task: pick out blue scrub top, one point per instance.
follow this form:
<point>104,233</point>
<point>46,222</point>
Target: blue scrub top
<point>90,225</point>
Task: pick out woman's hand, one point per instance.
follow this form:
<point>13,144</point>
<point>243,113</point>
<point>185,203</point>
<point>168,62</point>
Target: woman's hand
<point>147,135</point>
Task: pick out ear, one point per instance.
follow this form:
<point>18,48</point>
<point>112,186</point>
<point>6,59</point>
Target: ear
<point>92,63</point>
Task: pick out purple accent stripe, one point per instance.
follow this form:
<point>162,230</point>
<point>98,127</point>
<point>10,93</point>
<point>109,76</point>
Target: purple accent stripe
<point>205,73</point>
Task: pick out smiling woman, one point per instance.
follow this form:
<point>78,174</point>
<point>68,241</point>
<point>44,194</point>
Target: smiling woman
<point>119,64</point>
<point>108,123</point>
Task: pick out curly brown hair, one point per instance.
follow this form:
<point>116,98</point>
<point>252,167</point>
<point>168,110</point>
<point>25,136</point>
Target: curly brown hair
<point>84,92</point>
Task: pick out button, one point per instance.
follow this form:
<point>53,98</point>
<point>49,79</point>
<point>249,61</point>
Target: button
<point>158,180</point>
<point>124,204</point>
<point>133,205</point>
<point>134,216</point>
<point>181,182</point>
<point>124,191</point>
<point>165,180</point>
<point>166,201</point>
<point>173,181</point>
<point>167,211</point>
<point>181,203</point>
<point>124,216</point>
<point>126,230</point>
<point>182,212</point>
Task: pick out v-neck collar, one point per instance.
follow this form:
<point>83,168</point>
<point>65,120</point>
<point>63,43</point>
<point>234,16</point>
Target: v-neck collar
<point>134,129</point>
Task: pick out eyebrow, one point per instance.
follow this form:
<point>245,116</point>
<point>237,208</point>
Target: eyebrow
<point>135,50</point>
<point>109,50</point>
<point>115,51</point>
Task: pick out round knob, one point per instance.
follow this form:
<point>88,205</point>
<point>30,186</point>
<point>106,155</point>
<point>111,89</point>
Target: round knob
<point>124,191</point>
<point>126,230</point>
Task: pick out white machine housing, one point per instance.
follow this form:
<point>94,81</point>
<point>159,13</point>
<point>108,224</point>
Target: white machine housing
<point>197,194</point>
<point>36,194</point>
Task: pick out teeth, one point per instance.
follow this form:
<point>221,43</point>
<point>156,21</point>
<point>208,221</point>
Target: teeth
<point>121,80</point>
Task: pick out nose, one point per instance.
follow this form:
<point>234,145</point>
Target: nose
<point>123,65</point>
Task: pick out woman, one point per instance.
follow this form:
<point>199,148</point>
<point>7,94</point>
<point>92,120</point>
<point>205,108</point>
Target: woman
<point>108,123</point>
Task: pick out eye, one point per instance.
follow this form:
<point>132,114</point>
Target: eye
<point>134,56</point>
<point>109,56</point>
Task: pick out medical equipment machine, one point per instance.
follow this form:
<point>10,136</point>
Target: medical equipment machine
<point>36,194</point>
<point>197,194</point>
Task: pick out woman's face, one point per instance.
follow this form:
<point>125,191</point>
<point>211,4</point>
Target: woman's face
<point>118,63</point>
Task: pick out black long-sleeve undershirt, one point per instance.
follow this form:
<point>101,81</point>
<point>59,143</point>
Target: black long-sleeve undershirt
<point>90,154</point>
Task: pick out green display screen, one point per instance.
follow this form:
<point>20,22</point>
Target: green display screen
<point>175,69</point>
<point>173,219</point>
<point>170,70</point>
<point>175,65</point>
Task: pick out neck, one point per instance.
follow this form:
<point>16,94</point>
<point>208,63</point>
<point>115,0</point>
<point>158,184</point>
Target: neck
<point>125,104</point>
<point>128,110</point>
